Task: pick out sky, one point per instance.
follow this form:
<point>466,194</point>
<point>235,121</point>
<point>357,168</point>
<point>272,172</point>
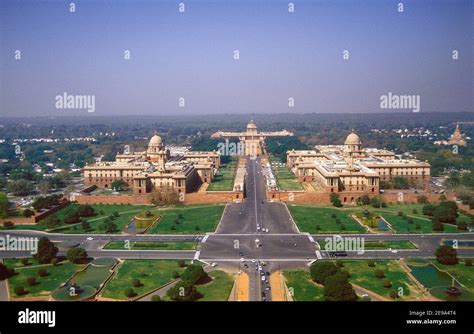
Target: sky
<point>188,56</point>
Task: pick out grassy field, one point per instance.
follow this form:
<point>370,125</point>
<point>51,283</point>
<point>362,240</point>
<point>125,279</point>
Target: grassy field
<point>304,289</point>
<point>126,213</point>
<point>151,245</point>
<point>309,217</point>
<point>460,271</point>
<point>402,225</point>
<point>151,273</point>
<point>364,276</point>
<point>320,220</point>
<point>188,220</point>
<point>218,289</point>
<point>57,275</point>
<point>285,178</point>
<point>224,179</point>
<point>92,276</point>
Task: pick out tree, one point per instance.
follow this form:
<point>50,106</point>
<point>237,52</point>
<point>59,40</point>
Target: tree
<point>136,283</point>
<point>3,205</point>
<point>446,255</point>
<point>31,281</point>
<point>20,187</point>
<point>129,293</point>
<point>86,211</point>
<point>72,217</point>
<point>365,199</point>
<point>46,251</point>
<point>155,298</point>
<point>44,187</point>
<point>76,254</point>
<point>320,271</point>
<point>85,225</point>
<point>422,199</point>
<point>387,283</point>
<point>338,288</point>
<point>109,226</point>
<point>399,182</point>
<point>379,273</point>
<point>335,200</point>
<point>194,274</point>
<point>468,262</point>
<point>181,263</point>
<point>119,185</point>
<point>184,291</point>
<point>28,213</point>
<point>428,209</point>
<point>4,272</point>
<point>20,291</point>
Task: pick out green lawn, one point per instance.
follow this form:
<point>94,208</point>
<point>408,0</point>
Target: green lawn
<point>151,245</point>
<point>363,275</point>
<point>218,289</point>
<point>285,178</point>
<point>460,271</point>
<point>402,225</point>
<point>303,288</point>
<point>224,178</point>
<point>320,220</point>
<point>57,275</point>
<point>193,220</point>
<point>151,273</point>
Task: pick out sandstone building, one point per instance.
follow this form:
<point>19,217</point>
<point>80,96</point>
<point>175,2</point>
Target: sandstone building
<point>155,168</point>
<point>353,169</point>
<point>251,140</point>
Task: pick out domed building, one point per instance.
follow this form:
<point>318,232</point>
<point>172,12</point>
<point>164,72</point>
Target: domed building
<point>156,152</point>
<point>154,169</point>
<point>353,142</point>
<point>252,142</point>
<point>352,170</point>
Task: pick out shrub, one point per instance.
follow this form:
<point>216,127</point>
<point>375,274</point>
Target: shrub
<point>468,262</point>
<point>31,281</point>
<point>8,224</point>
<point>393,294</point>
<point>54,261</point>
<point>43,272</point>
<point>136,283</point>
<point>181,263</point>
<point>175,274</point>
<point>20,291</point>
<point>371,263</point>
<point>387,283</point>
<point>25,261</point>
<point>129,293</point>
<point>156,298</point>
<point>379,273</point>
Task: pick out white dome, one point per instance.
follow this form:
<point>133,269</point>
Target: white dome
<point>352,139</point>
<point>155,140</point>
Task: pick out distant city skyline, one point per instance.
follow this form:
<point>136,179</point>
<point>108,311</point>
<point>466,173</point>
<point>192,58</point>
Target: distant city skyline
<point>148,58</point>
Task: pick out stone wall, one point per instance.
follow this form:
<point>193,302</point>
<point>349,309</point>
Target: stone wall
<point>323,198</point>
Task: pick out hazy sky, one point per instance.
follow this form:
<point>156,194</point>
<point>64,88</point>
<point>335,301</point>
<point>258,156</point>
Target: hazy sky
<point>282,55</point>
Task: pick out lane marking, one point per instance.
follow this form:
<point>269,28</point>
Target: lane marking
<point>318,255</point>
<point>196,256</point>
<point>310,238</point>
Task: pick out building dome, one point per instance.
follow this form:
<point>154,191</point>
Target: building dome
<point>352,139</point>
<point>155,141</point>
<point>251,125</point>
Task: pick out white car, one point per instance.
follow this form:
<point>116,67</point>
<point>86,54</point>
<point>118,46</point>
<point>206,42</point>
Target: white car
<point>242,259</point>
<point>90,238</point>
<point>263,278</point>
<point>253,260</point>
<point>213,264</point>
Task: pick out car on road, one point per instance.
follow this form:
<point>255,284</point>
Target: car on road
<point>213,264</point>
<point>90,238</point>
<point>263,278</point>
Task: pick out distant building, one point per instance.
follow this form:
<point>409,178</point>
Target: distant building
<point>155,168</point>
<point>457,138</point>
<point>252,141</point>
<point>354,169</point>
